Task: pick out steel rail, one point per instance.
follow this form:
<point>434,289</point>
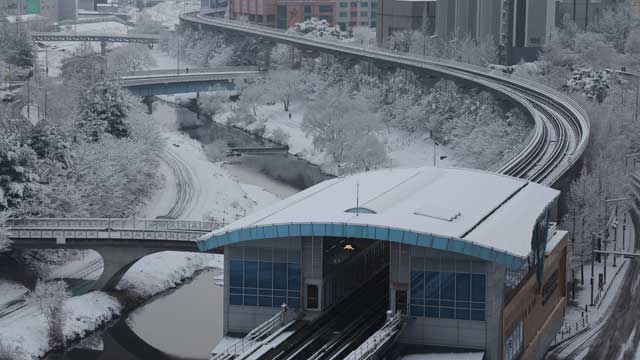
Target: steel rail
<point>561,128</point>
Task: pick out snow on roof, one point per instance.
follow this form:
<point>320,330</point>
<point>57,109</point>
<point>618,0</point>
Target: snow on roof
<point>493,211</point>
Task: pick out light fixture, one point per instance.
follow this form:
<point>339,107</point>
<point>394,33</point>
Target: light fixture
<point>349,247</point>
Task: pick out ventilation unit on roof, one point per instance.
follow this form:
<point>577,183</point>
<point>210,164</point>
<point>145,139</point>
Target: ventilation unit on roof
<point>437,212</point>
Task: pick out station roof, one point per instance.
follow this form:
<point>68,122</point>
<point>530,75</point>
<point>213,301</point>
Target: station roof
<point>472,212</point>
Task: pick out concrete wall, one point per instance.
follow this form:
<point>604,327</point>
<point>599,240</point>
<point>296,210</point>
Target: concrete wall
<point>242,319</point>
<point>448,332</point>
<point>68,9</point>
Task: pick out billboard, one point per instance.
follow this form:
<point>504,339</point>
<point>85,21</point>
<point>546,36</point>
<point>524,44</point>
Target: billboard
<point>32,7</point>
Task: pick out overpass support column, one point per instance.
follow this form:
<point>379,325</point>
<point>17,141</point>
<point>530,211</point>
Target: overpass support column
<point>263,56</point>
<point>103,48</point>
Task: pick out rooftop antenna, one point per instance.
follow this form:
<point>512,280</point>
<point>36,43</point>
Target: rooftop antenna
<point>357,198</point>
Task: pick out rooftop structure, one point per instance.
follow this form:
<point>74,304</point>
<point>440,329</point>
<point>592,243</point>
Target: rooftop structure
<point>469,212</point>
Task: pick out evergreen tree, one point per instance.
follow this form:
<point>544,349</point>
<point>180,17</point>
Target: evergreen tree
<point>18,179</point>
<point>103,107</point>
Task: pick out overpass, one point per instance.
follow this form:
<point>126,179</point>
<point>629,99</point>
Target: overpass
<point>103,39</point>
<point>120,242</point>
<point>167,82</point>
<point>561,126</point>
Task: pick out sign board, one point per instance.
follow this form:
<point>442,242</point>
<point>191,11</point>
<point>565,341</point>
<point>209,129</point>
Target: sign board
<point>32,7</point>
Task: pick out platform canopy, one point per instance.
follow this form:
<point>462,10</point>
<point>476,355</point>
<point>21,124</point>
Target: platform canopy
<point>471,212</point>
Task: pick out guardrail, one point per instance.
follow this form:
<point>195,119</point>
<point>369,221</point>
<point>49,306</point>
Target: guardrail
<point>252,339</point>
<point>385,334</point>
<point>112,224</point>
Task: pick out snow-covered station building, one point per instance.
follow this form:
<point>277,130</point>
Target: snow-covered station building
<point>471,257</point>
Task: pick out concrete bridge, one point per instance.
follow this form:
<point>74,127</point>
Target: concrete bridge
<point>167,82</point>
<point>103,39</point>
<point>120,242</point>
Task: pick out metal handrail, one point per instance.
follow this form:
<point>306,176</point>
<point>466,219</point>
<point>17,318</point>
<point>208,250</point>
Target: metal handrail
<point>261,332</point>
<point>373,343</point>
<point>112,224</point>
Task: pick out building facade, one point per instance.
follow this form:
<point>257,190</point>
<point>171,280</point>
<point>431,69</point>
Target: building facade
<point>350,14</point>
<point>262,12</point>
<point>469,257</point>
<point>519,27</point>
<point>290,12</point>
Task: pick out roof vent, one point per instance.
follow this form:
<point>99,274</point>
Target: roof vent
<point>437,212</point>
<point>360,210</point>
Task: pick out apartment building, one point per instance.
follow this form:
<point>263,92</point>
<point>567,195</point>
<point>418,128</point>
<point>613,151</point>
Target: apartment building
<point>350,13</point>
<point>290,12</point>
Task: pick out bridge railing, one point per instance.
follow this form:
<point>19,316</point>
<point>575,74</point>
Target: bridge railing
<point>114,224</point>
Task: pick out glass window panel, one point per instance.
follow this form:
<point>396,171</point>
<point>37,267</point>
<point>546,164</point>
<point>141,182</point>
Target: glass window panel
<point>250,291</point>
<point>280,276</point>
<point>446,313</point>
<point>462,314</point>
<point>417,285</point>
<point>477,305</point>
<point>295,294</point>
<point>463,287</point>
<point>251,253</point>
<point>235,270</point>
<point>463,304</point>
<point>266,275</point>
<point>447,303</point>
<point>250,300</point>
<point>431,311</point>
<point>478,287</point>
<point>432,302</point>
<point>415,301</point>
<point>447,286</point>
<point>477,315</point>
<point>251,274</point>
<point>293,302</point>
<point>417,310</point>
<point>294,276</point>
<point>293,256</point>
<point>279,293</point>
<point>265,292</point>
<point>265,301</point>
<point>278,301</point>
<point>235,290</point>
<point>235,299</point>
<point>432,285</point>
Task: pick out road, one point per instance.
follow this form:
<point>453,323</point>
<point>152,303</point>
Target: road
<point>619,336</point>
<point>185,187</point>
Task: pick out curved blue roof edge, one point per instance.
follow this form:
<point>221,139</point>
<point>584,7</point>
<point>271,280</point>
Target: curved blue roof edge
<point>370,232</point>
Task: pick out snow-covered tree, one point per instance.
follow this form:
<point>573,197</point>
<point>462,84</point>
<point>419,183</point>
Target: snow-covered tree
<point>592,84</point>
<point>318,28</point>
<point>615,24</point>
<point>130,58</point>
<point>103,109</point>
<point>211,104</point>
<point>49,297</point>
<point>285,85</point>
<point>18,178</point>
<point>251,96</point>
<point>342,126</point>
<point>280,136</point>
<point>5,243</point>
<point>82,66</point>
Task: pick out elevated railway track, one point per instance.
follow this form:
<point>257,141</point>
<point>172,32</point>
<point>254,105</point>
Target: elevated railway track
<point>561,128</point>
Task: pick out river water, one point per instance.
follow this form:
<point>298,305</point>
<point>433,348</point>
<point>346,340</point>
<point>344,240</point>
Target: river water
<point>187,323</point>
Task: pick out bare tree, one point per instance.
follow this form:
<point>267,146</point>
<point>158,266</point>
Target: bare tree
<point>344,127</point>
<point>130,58</point>
<point>49,297</point>
<point>285,85</point>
